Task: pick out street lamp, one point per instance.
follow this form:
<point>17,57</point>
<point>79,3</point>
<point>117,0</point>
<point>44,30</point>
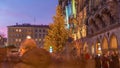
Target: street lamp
<point>99,49</point>
<point>28,37</point>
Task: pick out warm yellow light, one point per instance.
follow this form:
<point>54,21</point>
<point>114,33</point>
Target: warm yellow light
<point>98,43</point>
<point>36,39</point>
<point>16,30</point>
<point>20,30</point>
<point>19,40</point>
<point>98,54</point>
<point>28,37</point>
<point>22,51</point>
<point>39,39</point>
<point>16,40</point>
<point>99,48</point>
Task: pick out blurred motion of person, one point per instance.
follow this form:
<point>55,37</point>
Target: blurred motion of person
<point>105,61</point>
<point>33,57</point>
<point>27,45</point>
<point>97,61</point>
<point>116,59</point>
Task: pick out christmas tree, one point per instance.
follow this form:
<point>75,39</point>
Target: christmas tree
<point>57,33</point>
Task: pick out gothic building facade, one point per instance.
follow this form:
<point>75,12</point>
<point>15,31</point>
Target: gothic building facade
<point>103,26</point>
<point>96,24</point>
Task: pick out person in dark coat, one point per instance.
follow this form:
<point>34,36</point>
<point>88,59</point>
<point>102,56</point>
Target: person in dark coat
<point>97,62</point>
<point>115,59</point>
<point>111,63</point>
<point>105,61</point>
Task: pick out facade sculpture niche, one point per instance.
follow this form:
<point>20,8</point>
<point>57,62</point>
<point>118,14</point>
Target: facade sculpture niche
<point>105,16</point>
<point>98,21</point>
<point>92,24</point>
<point>113,6</point>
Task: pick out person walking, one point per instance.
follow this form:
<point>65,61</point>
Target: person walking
<point>115,59</point>
<point>105,63</point>
<point>111,62</point>
<point>97,62</point>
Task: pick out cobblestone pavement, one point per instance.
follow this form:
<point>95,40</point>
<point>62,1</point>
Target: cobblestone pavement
<point>70,64</point>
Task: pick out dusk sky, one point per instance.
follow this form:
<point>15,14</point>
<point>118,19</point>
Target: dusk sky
<point>26,11</point>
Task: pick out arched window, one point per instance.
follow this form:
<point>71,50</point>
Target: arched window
<point>105,43</point>
<point>113,42</point>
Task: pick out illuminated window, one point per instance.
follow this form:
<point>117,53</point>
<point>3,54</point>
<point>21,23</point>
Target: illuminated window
<point>20,30</point>
<point>113,42</point>
<point>17,40</point>
<point>39,39</point>
<point>36,39</point>
<point>28,37</point>
<point>16,30</point>
<point>105,43</point>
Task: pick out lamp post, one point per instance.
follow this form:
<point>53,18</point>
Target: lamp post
<point>99,48</point>
<point>28,37</point>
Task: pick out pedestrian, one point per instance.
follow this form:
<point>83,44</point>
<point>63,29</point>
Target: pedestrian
<point>105,61</point>
<point>115,59</point>
<point>111,62</point>
<point>97,62</point>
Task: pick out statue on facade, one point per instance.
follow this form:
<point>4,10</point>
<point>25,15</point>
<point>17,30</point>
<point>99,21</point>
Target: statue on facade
<point>105,16</point>
<point>98,21</point>
<point>92,24</point>
<point>113,6</point>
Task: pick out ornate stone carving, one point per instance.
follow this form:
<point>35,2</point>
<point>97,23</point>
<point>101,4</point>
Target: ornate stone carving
<point>113,7</point>
<point>92,24</point>
<point>105,16</point>
<point>98,21</point>
<point>90,31</point>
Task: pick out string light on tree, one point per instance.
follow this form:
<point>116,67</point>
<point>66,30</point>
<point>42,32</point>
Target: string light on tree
<point>51,49</point>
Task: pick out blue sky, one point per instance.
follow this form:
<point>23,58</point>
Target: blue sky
<point>26,11</point>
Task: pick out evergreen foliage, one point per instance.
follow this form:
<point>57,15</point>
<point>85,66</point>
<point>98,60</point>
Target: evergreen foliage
<point>57,33</point>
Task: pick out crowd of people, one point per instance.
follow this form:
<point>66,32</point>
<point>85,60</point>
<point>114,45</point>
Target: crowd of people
<point>107,60</point>
<point>30,56</point>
